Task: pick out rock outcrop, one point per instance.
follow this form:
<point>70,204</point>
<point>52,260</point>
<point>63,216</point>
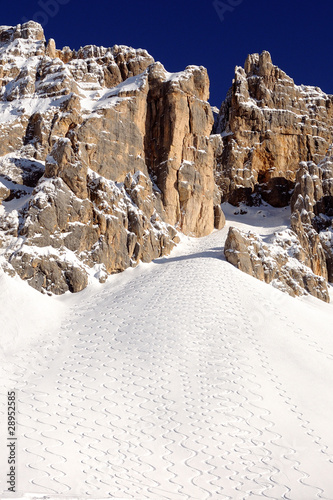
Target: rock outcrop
<point>276,148</point>
<point>107,154</point>
<point>299,259</point>
<point>268,126</point>
<point>312,214</point>
<point>279,262</point>
<point>4,192</point>
<point>180,155</point>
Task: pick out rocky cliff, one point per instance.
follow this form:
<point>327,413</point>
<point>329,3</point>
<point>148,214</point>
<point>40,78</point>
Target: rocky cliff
<point>281,262</point>
<point>268,126</point>
<point>104,157</point>
<point>312,214</point>
<point>299,259</point>
<point>277,140</point>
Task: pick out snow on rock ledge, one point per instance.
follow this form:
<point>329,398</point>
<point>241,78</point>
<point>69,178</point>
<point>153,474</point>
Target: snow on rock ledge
<point>277,263</point>
<point>28,31</point>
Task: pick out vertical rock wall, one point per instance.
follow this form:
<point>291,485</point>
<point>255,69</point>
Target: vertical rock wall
<point>108,153</point>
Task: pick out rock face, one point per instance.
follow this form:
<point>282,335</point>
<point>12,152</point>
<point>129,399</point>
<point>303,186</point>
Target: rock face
<point>278,263</point>
<point>109,230</point>
<point>268,126</point>
<point>179,152</point>
<point>107,155</point>
<point>312,214</point>
<point>299,259</point>
<point>4,192</point>
<point>276,147</point>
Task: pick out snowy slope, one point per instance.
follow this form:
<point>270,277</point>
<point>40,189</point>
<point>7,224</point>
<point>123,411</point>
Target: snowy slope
<point>179,379</point>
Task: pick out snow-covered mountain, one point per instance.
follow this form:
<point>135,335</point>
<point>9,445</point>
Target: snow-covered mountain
<point>181,377</point>
<point>105,156</point>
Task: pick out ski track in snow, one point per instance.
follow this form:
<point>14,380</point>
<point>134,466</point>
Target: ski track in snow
<point>162,387</point>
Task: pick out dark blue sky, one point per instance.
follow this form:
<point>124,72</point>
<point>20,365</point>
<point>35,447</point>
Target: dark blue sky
<point>298,33</point>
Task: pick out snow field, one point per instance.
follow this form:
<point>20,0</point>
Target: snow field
<point>180,379</point>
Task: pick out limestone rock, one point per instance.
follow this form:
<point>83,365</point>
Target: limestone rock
<point>312,213</point>
<point>4,192</point>
<point>52,274</point>
<point>104,233</point>
<point>109,153</point>
<point>63,162</point>
<point>27,31</point>
<point>111,141</point>
<point>179,153</point>
<point>50,49</point>
<point>276,263</point>
<point>309,244</point>
<point>268,126</point>
<point>219,217</point>
<point>276,147</point>
<point>21,172</point>
<point>326,240</point>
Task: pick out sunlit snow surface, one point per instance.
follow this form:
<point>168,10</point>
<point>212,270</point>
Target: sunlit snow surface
<point>180,379</point>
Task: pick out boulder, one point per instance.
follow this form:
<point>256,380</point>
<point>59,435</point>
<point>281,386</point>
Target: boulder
<point>276,263</point>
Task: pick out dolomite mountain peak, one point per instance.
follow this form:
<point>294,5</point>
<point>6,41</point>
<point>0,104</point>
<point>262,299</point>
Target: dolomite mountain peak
<point>30,30</point>
<point>269,125</point>
<point>277,139</point>
<point>105,157</point>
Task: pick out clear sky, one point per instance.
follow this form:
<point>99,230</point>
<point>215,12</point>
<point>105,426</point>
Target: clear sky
<point>297,33</point>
